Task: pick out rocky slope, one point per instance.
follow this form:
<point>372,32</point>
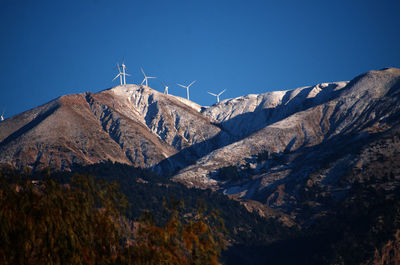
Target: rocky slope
<point>303,141</point>
<point>128,124</point>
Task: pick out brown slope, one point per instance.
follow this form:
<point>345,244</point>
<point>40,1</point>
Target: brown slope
<point>58,135</point>
<point>65,131</point>
<point>129,124</point>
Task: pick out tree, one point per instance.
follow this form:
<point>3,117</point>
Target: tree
<point>199,240</point>
<point>49,223</point>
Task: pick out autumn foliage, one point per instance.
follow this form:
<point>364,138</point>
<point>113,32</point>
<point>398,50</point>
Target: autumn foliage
<point>178,242</point>
<point>83,222</point>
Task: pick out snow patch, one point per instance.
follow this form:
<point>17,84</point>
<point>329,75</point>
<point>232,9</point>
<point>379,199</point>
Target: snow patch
<point>191,104</point>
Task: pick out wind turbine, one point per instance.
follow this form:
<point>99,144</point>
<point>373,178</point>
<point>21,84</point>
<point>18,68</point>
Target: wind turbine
<point>2,116</point>
<point>165,87</point>
<point>217,95</point>
<point>187,87</point>
<point>146,77</point>
<point>122,75</point>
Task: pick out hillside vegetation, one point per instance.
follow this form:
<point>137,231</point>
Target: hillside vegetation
<point>83,222</point>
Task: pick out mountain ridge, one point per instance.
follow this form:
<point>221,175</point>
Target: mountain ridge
<point>266,138</point>
<point>290,136</point>
<point>233,119</point>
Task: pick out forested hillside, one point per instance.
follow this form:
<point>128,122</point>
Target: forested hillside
<point>145,198</point>
<point>51,216</point>
<point>84,222</point>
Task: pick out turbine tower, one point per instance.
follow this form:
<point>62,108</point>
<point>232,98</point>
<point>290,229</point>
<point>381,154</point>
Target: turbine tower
<point>146,77</point>
<point>165,87</point>
<point>217,95</point>
<point>2,116</point>
<point>124,72</point>
<point>187,88</point>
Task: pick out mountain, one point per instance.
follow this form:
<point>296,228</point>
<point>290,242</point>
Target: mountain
<point>323,159</point>
<point>271,150</point>
<point>311,141</point>
<point>128,124</point>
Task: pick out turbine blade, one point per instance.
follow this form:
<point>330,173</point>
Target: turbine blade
<point>191,83</point>
<point>181,85</point>
<point>211,93</point>
<point>116,76</point>
<point>119,68</point>
<point>143,81</point>
<point>221,92</point>
<point>142,71</point>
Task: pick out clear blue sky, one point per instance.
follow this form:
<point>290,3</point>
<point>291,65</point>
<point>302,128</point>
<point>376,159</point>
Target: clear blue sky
<point>53,48</point>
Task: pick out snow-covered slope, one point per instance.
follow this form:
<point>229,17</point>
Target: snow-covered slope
<point>175,120</point>
<point>244,115</point>
<point>307,136</point>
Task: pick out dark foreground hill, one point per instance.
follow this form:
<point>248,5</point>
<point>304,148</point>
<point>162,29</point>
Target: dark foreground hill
<point>362,227</point>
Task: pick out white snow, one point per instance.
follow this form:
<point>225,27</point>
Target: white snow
<point>231,108</point>
<point>132,91</point>
<point>261,118</point>
<point>191,104</point>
